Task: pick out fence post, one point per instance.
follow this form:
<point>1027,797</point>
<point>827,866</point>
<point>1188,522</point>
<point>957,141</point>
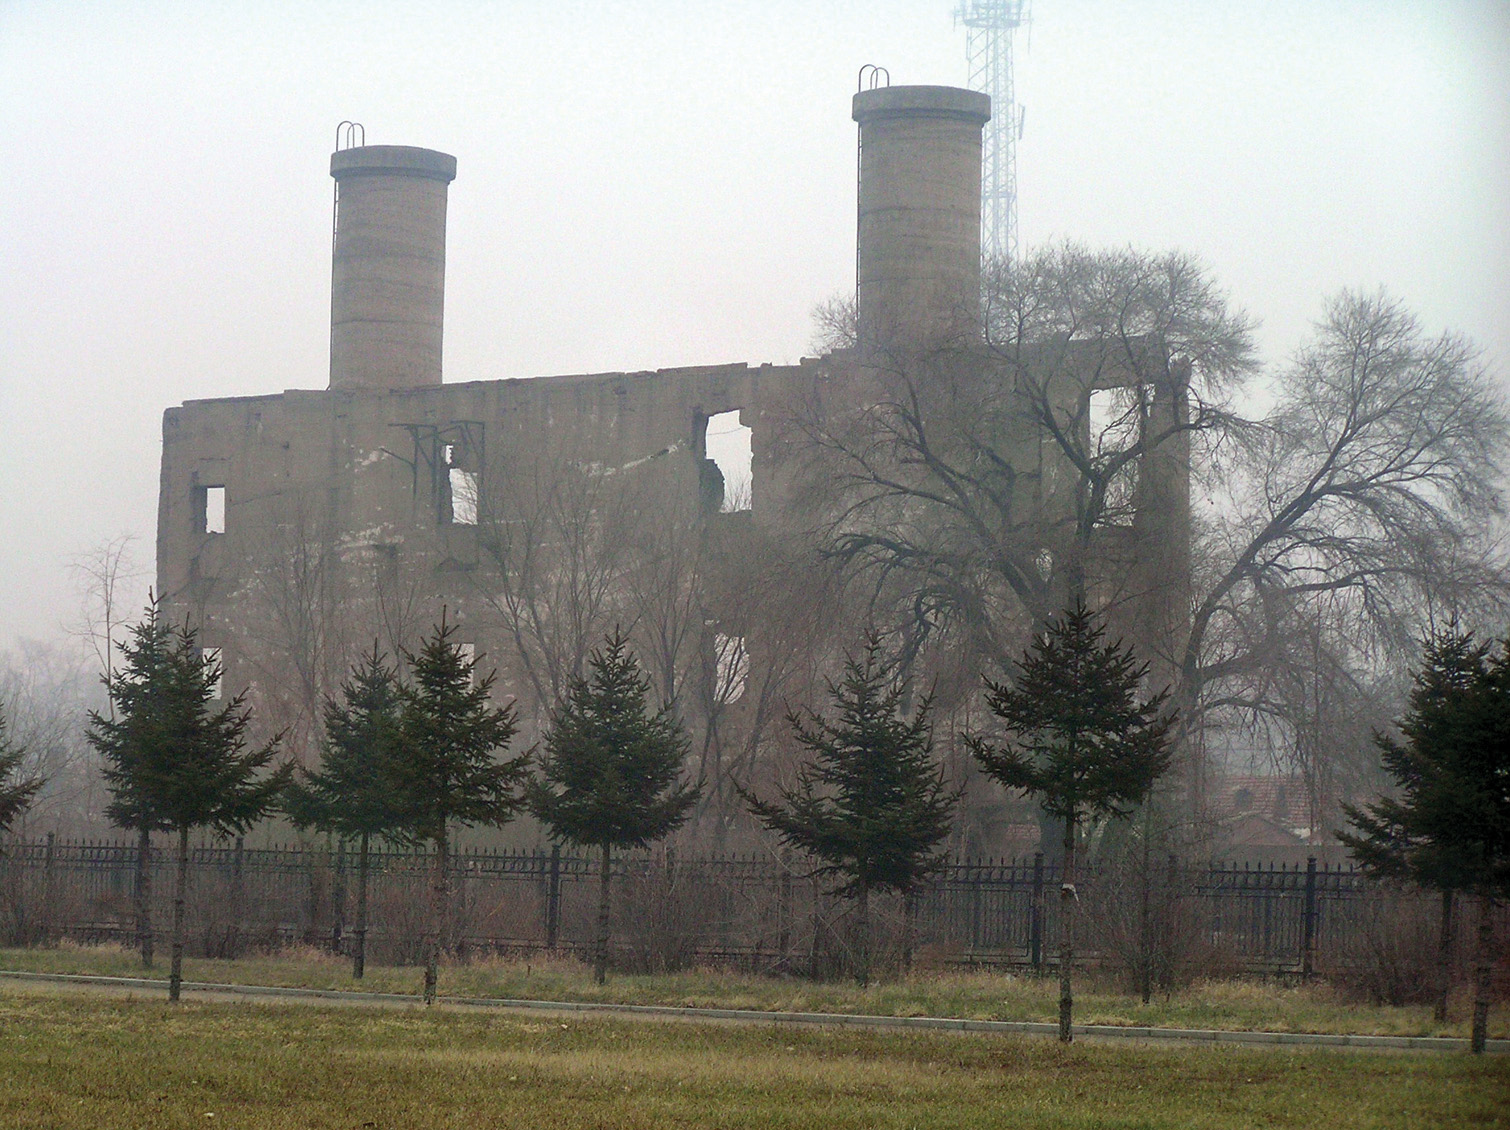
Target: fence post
<point>553,900</point>
<point>783,909</point>
<point>49,889</point>
<point>1308,925</point>
<point>973,872</point>
<point>1035,915</point>
<point>1145,920</point>
<point>1168,906</point>
<point>238,896</point>
<point>338,898</point>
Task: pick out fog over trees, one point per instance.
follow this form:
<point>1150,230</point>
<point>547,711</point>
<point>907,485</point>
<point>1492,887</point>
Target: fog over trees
<point>1346,500</point>
<point>1343,505</point>
<point>1330,529</point>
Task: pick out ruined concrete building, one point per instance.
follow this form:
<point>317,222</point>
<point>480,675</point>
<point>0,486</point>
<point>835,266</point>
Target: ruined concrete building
<point>296,529</point>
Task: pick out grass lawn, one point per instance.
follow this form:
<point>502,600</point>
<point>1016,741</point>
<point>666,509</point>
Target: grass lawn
<point>77,1061</point>
<point>1236,1005</point>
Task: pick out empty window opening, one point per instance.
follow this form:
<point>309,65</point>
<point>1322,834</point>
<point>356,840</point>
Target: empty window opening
<point>212,516</point>
<point>727,443</point>
<point>1115,423</point>
<point>464,489</point>
<point>214,670</point>
<point>463,497</point>
<point>1114,417</point>
<point>731,667</point>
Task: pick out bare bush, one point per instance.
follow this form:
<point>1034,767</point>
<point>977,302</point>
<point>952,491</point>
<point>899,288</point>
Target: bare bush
<point>1150,934</point>
<point>1390,955</point>
<point>662,909</point>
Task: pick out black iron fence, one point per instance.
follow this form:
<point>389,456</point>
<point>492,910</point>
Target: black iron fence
<point>1156,917</point>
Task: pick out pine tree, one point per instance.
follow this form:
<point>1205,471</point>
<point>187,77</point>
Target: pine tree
<point>872,803</point>
<point>15,795</point>
<point>352,793</point>
<point>1083,743</point>
<point>612,774</point>
<point>448,770</point>
<point>174,762</point>
<point>137,726</point>
<point>1449,828</point>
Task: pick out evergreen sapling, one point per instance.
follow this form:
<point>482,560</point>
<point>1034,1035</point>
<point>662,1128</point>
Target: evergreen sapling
<point>449,768</point>
<point>871,804</point>
<point>352,792</point>
<point>1449,827</point>
<point>15,795</point>
<point>173,761</point>
<point>1082,742</point>
<point>137,725</point>
<point>612,773</point>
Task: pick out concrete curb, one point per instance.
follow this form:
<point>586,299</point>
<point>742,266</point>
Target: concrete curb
<point>833,1019</point>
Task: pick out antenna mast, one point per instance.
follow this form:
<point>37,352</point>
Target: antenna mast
<point>989,25</point>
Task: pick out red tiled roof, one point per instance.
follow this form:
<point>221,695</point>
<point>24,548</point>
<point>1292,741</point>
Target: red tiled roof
<point>1280,799</point>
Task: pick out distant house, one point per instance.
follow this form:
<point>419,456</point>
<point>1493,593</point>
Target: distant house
<point>1267,817</point>
<point>1276,802</point>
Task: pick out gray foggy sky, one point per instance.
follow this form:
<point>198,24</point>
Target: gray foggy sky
<point>657,183</point>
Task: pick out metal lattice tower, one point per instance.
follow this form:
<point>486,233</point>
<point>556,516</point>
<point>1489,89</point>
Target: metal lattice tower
<point>989,26</point>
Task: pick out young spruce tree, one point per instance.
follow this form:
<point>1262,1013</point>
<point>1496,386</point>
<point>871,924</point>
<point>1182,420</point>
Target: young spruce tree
<point>612,774</point>
<point>1449,827</point>
<point>175,762</point>
<point>872,804</point>
<point>448,768</point>
<point>139,718</point>
<point>15,795</point>
<point>1082,743</point>
<point>352,793</point>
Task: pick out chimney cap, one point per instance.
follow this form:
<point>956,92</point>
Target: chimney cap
<point>922,101</point>
<point>393,161</point>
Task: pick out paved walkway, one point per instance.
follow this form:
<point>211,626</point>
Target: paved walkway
<point>216,991</point>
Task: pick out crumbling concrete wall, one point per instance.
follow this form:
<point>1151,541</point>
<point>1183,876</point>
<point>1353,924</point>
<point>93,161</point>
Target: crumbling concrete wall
<point>342,523</point>
<point>295,531</point>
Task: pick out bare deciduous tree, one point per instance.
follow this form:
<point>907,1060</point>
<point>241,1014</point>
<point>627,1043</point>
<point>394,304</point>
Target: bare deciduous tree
<point>555,528</point>
<point>1359,511</point>
<point>106,576</point>
<point>301,623</point>
<point>45,691</point>
<point>981,488</point>
<point>974,483</point>
<point>836,323</point>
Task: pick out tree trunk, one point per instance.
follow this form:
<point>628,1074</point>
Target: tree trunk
<point>144,896</point>
<point>439,890</point>
<point>909,929</point>
<point>1444,958</point>
<point>338,899</point>
<point>180,888</point>
<point>1482,980</point>
<point>1067,898</point>
<point>359,944</point>
<point>1145,916</point>
<point>600,956</point>
<point>862,938</point>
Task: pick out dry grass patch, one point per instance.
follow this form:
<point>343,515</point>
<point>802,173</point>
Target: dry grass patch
<point>75,1061</point>
<point>1238,1005</point>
